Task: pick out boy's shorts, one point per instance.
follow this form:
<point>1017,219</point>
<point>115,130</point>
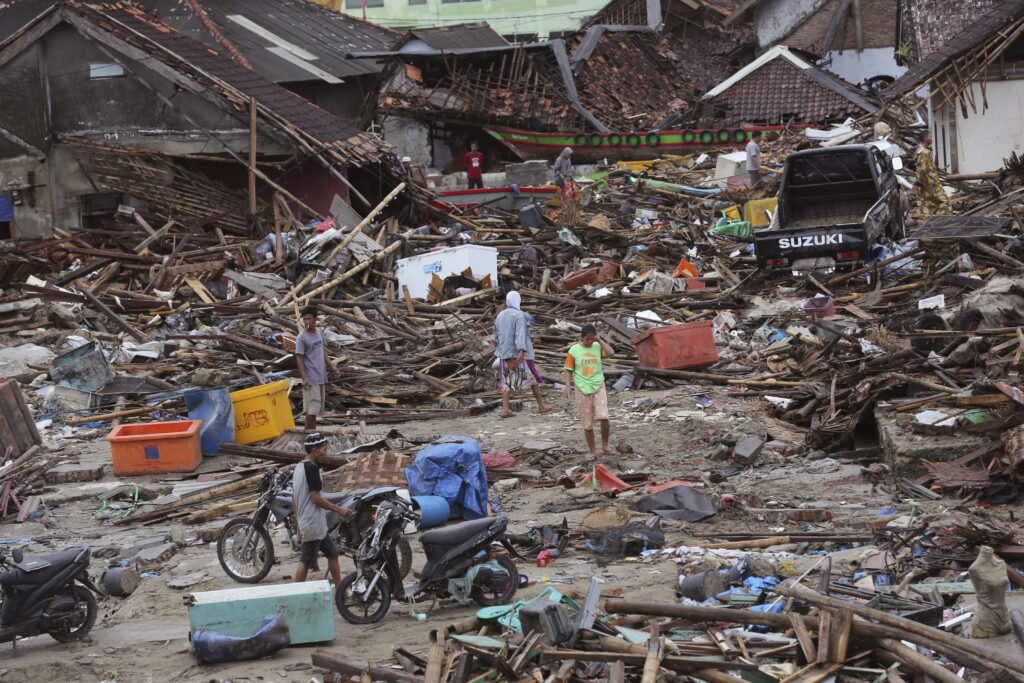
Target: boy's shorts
<point>313,399</point>
<point>308,552</point>
<point>592,406</point>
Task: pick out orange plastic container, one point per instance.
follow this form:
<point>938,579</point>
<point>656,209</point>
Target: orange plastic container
<point>156,447</point>
<point>674,347</point>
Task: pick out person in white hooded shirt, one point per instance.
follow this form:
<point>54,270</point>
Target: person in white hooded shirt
<point>516,368</point>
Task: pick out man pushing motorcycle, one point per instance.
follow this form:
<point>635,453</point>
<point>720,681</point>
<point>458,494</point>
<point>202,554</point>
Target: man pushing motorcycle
<point>311,510</point>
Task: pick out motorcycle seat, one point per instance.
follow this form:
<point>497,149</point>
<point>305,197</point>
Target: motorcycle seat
<point>338,497</point>
<point>23,574</point>
<point>457,533</point>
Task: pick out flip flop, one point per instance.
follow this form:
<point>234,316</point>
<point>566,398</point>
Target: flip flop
<point>504,415</point>
<point>607,451</point>
<point>591,458</point>
<point>548,409</point>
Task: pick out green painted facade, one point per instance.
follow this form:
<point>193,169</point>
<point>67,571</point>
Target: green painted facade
<point>542,18</point>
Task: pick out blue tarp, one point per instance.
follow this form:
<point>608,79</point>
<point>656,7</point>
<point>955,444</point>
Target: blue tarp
<point>455,471</point>
<point>6,209</point>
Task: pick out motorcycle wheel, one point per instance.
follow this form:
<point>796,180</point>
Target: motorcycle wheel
<point>83,621</point>
<point>404,552</point>
<point>245,562</point>
<point>351,605</point>
<point>488,596</point>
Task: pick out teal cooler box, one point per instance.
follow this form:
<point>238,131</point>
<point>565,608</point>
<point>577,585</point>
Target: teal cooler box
<point>308,609</point>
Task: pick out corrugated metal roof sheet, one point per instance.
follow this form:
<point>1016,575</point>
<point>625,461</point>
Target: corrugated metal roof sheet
<point>478,34</point>
<point>259,28</point>
<point>187,55</point>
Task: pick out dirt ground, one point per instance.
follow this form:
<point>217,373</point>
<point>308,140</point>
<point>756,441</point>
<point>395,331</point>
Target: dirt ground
<point>144,637</point>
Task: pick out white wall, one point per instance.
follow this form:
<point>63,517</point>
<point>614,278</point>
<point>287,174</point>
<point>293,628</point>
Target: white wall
<point>775,19</point>
<point>856,67</point>
<point>984,139</point>
<point>410,138</point>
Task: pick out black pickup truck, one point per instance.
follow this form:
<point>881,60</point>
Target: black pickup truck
<point>834,203</point>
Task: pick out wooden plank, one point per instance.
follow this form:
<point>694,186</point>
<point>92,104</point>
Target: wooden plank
<point>824,636</point>
<point>842,622</point>
<point>23,438</point>
<point>803,635</point>
<point>655,653</point>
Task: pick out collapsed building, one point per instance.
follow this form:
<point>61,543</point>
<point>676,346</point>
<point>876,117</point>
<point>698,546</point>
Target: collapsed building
<point>115,104</point>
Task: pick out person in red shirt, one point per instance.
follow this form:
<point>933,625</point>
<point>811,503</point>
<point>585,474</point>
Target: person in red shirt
<point>475,166</point>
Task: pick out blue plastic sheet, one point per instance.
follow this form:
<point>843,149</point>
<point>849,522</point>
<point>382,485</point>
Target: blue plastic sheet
<point>455,471</point>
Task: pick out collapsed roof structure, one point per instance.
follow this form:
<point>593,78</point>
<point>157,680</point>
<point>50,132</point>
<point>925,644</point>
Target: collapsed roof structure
<point>110,87</point>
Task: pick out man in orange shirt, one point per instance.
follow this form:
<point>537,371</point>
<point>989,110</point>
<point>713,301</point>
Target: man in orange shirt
<point>583,370</point>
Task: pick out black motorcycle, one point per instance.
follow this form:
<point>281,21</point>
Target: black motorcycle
<point>51,594</point>
<point>244,547</point>
<point>463,552</point>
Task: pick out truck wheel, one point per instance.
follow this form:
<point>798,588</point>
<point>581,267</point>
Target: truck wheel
<point>929,321</point>
<point>968,320</point>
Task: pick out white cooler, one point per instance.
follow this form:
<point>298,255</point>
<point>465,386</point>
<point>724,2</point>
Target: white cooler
<point>416,272</point>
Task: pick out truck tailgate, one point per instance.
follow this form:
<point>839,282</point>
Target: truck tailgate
<point>779,248</point>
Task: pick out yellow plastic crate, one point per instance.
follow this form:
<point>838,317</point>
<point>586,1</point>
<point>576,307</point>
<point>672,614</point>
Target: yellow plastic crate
<point>262,412</point>
<point>756,210</point>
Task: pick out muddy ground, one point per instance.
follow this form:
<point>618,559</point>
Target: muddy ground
<point>144,637</point>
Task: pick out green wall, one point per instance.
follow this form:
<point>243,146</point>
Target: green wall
<point>507,17</point>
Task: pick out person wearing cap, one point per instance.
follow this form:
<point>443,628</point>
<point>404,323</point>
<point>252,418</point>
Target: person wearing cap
<point>311,510</point>
<point>411,172</point>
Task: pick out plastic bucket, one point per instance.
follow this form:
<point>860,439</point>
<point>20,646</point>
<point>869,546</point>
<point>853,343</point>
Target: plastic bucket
<point>215,409</point>
<point>434,510</point>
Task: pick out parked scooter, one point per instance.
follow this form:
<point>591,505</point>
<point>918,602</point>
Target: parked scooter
<point>462,552</point>
<point>51,594</point>
<point>244,547</point>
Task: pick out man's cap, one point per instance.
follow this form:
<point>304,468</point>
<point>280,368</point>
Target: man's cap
<point>314,439</point>
<point>406,160</point>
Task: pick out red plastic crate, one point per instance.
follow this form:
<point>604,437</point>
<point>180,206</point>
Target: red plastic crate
<point>675,347</point>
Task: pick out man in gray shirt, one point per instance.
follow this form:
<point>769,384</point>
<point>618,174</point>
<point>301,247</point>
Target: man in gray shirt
<point>753,162</point>
<point>311,355</point>
<point>311,510</point>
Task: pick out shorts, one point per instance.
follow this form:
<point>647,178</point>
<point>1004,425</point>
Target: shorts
<point>313,399</point>
<point>755,178</point>
<point>476,183</point>
<point>308,552</point>
<point>592,407</point>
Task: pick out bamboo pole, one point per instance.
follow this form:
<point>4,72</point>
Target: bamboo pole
<point>354,271</point>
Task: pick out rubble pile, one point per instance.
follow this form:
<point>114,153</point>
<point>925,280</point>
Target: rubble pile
<point>905,368</point>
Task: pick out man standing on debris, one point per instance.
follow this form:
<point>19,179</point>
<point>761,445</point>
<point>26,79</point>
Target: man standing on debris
<point>931,198</point>
<point>516,369</point>
<point>311,355</point>
<point>475,166</point>
<point>311,510</point>
<point>754,162</point>
<point>583,369</point>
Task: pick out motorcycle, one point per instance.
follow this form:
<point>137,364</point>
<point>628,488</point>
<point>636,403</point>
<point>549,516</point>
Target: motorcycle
<point>462,552</point>
<point>245,549</point>
<point>52,594</point>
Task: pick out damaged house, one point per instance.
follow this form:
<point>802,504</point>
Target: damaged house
<point>857,40</point>
<point>782,88</point>
<point>118,108</point>
<point>609,91</point>
<point>970,57</point>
